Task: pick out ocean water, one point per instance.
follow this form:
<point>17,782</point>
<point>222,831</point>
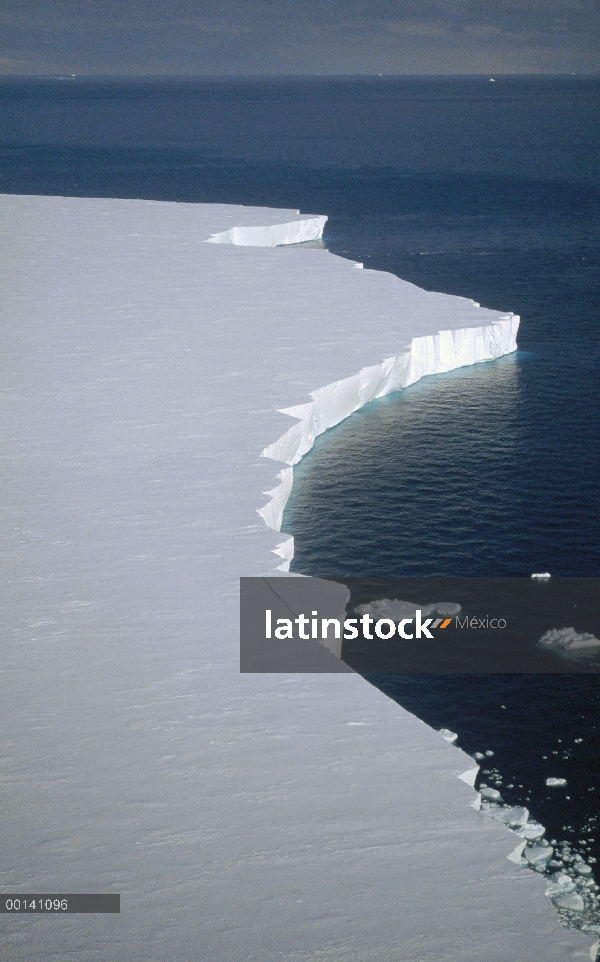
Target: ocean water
<point>487,190</point>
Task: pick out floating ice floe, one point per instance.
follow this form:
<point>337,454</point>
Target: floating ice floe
<point>531,831</point>
<point>556,782</point>
<point>559,884</point>
<point>541,575</point>
<point>396,609</point>
<point>513,816</point>
<point>491,794</point>
<point>539,856</point>
<point>569,643</point>
<point>573,902</point>
<point>393,608</point>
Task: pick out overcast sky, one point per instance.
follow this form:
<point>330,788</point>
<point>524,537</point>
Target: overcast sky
<point>233,37</point>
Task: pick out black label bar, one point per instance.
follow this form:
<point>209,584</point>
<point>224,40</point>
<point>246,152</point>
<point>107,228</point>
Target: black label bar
<point>58,904</point>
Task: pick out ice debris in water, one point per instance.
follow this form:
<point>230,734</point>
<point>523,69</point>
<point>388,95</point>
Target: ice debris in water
<point>541,575</point>
<point>396,609</point>
<point>539,856</point>
<point>559,884</point>
<point>513,816</point>
<point>491,794</point>
<point>393,608</point>
<point>569,643</point>
<point>573,902</point>
<point>531,831</point>
<point>448,735</point>
<point>571,885</point>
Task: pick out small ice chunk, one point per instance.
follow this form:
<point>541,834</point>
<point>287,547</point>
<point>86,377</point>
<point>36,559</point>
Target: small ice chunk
<point>490,794</point>
<point>531,831</point>
<point>478,756</point>
<point>393,608</point>
<point>489,753</point>
<point>541,575</point>
<point>573,902</point>
<point>516,816</point>
<point>448,735</point>
<point>538,856</point>
<point>397,609</point>
<point>583,869</point>
<point>559,884</point>
<point>556,782</point>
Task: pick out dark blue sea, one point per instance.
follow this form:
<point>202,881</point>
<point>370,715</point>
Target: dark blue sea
<point>485,189</point>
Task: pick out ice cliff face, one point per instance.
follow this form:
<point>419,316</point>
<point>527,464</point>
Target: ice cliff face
<point>432,354</point>
<point>297,231</point>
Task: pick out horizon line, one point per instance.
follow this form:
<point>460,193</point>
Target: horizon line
<point>283,76</point>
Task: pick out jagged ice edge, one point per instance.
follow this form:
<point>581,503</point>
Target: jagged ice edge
<point>431,354</point>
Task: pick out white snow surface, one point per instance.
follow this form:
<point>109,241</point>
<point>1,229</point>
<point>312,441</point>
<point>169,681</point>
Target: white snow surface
<point>241,817</point>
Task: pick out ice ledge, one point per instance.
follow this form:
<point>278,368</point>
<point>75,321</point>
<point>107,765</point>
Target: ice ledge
<point>274,235</point>
<point>124,299</point>
<point>432,354</point>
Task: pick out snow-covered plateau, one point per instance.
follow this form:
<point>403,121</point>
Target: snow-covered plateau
<point>242,817</point>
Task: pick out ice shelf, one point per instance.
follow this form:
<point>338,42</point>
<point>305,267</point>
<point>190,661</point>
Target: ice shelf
<point>242,817</point>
